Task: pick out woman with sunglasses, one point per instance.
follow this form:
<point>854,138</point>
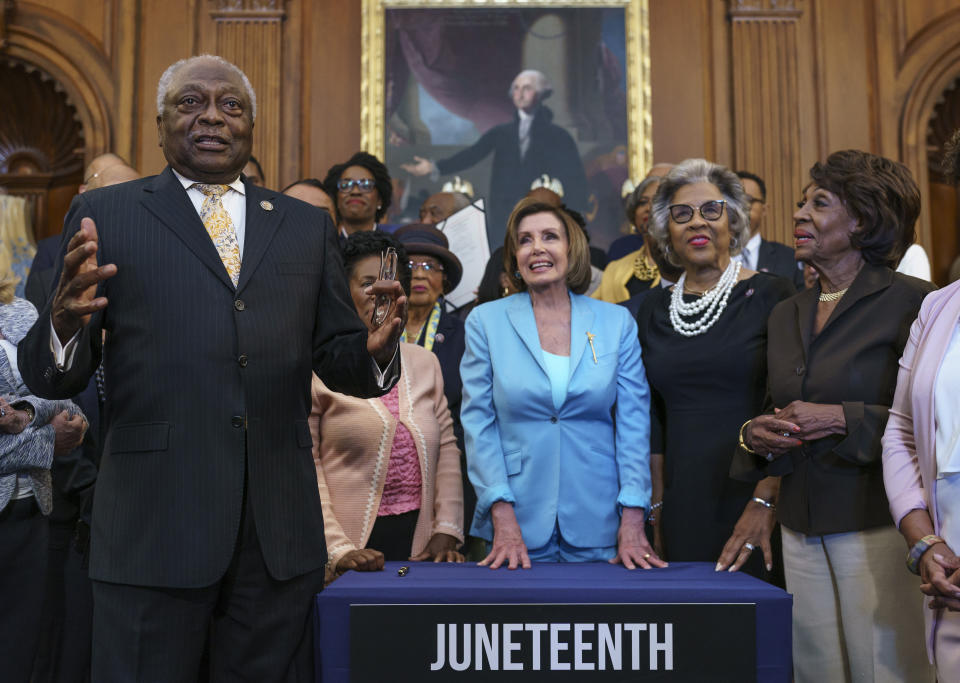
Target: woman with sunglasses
<point>363,191</point>
<point>704,347</point>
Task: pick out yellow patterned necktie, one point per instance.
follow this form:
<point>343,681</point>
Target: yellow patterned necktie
<point>220,228</point>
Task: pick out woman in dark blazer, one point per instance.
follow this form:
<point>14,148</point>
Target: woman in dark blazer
<point>832,371</point>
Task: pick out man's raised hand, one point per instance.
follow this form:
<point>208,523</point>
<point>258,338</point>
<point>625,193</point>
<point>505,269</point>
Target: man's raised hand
<point>75,300</point>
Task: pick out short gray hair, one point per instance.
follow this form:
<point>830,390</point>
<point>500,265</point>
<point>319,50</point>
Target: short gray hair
<point>543,86</point>
<point>163,86</point>
<point>696,171</point>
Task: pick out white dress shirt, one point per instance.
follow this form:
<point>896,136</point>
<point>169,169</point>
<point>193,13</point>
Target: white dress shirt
<point>946,409</point>
<point>526,120</point>
<point>915,263</point>
<point>750,253</point>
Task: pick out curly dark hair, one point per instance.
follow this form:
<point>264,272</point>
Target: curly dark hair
<point>881,194</point>
<point>951,157</point>
<point>381,177</point>
<point>373,243</point>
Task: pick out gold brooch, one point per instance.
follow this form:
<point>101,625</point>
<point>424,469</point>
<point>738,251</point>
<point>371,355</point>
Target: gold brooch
<point>590,338</point>
<point>266,206</point>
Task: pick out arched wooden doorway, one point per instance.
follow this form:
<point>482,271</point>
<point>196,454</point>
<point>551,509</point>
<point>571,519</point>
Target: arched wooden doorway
<point>41,144</point>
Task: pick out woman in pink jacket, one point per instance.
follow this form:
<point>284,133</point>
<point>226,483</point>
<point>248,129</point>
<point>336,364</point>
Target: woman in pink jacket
<point>921,468</point>
<point>388,468</point>
<point>921,461</point>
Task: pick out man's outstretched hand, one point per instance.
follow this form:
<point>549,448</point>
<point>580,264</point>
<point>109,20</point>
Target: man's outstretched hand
<point>75,300</point>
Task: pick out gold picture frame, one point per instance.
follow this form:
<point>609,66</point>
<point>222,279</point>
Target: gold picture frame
<point>639,139</point>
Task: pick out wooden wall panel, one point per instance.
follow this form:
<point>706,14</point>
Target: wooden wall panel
<point>252,39</point>
<point>765,64</point>
<point>730,80</point>
<point>918,14</point>
<point>166,35</point>
<point>845,77</point>
<point>332,106</point>
<point>680,87</point>
<point>94,17</point>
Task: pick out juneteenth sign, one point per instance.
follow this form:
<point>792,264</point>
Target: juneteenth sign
<point>553,642</point>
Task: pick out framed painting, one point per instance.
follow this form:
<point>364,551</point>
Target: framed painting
<point>504,95</point>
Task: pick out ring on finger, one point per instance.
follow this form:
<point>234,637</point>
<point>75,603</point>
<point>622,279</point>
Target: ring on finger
<point>646,556</point>
<point>769,457</point>
<point>785,433</point>
<point>749,546</point>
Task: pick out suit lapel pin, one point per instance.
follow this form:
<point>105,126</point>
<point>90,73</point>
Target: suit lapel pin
<point>590,338</point>
<point>266,206</point>
<point>439,338</point>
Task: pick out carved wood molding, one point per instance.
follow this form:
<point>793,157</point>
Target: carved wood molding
<point>6,17</point>
<point>764,10</point>
<point>249,33</point>
<point>39,127</point>
<point>767,138</point>
<point>943,123</point>
<point>247,10</point>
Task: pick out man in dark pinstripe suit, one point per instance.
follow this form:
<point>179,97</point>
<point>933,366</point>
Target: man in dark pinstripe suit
<point>207,531</point>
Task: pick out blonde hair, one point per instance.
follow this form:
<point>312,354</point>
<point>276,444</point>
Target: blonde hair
<point>15,237</point>
<point>578,249</point>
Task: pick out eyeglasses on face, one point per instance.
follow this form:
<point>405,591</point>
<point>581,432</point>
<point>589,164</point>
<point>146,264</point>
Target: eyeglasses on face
<point>426,266</point>
<point>683,213</point>
<point>364,184</point>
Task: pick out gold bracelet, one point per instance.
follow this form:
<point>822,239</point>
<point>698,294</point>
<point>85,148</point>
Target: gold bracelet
<point>743,444</point>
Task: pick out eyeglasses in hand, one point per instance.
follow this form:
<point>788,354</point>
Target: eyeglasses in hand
<point>683,213</point>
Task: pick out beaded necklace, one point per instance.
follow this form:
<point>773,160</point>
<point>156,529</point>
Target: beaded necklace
<point>432,322</point>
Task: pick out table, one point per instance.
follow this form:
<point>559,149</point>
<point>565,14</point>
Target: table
<point>554,622</point>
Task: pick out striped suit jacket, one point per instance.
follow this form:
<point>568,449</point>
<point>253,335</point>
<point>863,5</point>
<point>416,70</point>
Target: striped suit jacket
<point>208,385</point>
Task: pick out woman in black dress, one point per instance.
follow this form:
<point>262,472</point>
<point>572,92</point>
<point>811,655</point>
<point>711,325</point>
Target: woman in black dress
<point>704,347</point>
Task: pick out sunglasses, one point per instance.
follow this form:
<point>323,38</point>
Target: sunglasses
<point>364,184</point>
<point>683,213</point>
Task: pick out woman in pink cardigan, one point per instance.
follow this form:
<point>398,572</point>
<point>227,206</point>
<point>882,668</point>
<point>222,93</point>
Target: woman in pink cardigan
<point>388,468</point>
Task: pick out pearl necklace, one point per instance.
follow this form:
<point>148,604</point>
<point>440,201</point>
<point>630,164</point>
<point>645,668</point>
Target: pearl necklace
<point>708,307</point>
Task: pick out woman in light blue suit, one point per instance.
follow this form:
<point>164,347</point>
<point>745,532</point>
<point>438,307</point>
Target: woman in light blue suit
<point>546,375</point>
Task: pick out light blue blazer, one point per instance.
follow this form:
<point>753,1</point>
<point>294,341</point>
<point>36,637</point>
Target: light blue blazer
<point>571,466</point>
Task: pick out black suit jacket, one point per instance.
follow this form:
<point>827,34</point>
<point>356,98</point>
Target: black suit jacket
<point>835,484</point>
<point>776,258</point>
<point>208,386</point>
<point>551,151</point>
